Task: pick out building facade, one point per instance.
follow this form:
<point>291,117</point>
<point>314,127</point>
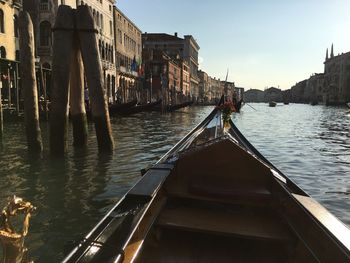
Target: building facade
<point>9,42</point>
<point>336,79</point>
<point>185,49</point>
<point>43,13</point>
<point>128,43</point>
<point>191,49</point>
<point>203,86</point>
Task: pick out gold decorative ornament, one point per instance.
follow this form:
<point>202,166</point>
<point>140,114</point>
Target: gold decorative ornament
<point>12,241</point>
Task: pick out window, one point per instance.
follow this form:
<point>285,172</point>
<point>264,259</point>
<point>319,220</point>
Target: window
<point>101,21</point>
<point>15,25</point>
<point>18,56</point>
<point>2,27</point>
<point>2,52</point>
<point>110,28</point>
<point>45,33</point>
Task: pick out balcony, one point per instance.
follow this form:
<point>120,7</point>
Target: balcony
<point>44,7</point>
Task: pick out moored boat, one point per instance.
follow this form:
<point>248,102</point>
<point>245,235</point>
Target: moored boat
<point>140,108</point>
<point>214,198</point>
<point>117,108</point>
<point>272,104</point>
<point>170,108</point>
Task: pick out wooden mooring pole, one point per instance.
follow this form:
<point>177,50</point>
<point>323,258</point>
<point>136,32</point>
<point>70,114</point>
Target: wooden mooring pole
<point>77,103</point>
<point>63,33</point>
<point>31,111</point>
<point>93,71</point>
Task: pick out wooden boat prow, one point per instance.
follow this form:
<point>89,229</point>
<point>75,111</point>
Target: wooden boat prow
<point>215,198</point>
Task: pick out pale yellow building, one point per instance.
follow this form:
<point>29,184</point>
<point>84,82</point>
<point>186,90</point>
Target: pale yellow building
<point>128,44</point>
<point>9,43</point>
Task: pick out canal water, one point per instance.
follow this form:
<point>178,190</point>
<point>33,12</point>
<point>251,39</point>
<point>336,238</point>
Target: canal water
<point>310,144</point>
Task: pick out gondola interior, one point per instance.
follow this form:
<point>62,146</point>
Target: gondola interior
<point>213,198</point>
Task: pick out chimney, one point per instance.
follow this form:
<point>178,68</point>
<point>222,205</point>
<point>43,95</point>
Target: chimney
<point>175,34</point>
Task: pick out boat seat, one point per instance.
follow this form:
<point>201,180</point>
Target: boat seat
<point>219,222</point>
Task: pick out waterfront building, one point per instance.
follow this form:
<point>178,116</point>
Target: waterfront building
<point>297,92</point>
<point>216,90</point>
<point>128,43</point>
<point>164,76</point>
<point>314,88</point>
<point>204,88</point>
<point>179,48</point>
<point>43,13</point>
<point>254,95</point>
<point>228,89</point>
<point>239,91</point>
<point>185,80</point>
<point>336,78</point>
<point>273,94</point>
<point>9,50</point>
<point>9,42</point>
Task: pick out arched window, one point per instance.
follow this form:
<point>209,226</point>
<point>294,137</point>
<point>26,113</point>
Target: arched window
<point>2,52</point>
<point>45,33</point>
<point>15,25</point>
<point>107,52</point>
<point>103,50</point>
<point>2,26</point>
<point>97,18</point>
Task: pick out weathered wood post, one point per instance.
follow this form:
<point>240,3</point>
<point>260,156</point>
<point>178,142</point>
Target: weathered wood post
<point>63,33</point>
<point>31,111</point>
<point>9,87</point>
<point>43,87</point>
<point>77,103</point>
<point>1,114</point>
<point>93,71</point>
<point>17,88</point>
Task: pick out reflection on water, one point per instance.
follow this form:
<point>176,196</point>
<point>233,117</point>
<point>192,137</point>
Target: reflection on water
<point>309,144</point>
<point>73,193</point>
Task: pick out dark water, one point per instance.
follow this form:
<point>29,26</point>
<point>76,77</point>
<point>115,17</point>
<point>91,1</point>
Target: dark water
<point>309,144</point>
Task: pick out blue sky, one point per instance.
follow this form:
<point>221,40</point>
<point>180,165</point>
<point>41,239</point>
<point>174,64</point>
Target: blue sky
<point>263,43</point>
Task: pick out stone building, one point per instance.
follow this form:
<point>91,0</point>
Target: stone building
<point>9,43</point>
<point>273,94</point>
<point>254,95</point>
<point>185,80</point>
<point>216,90</point>
<point>204,88</point>
<point>180,48</point>
<point>9,51</point>
<point>228,89</point>
<point>43,13</point>
<point>164,74</point>
<point>336,79</point>
<point>128,43</point>
<point>314,88</point>
<point>297,92</point>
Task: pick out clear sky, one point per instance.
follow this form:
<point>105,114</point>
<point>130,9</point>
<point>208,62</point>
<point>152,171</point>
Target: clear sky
<point>263,43</point>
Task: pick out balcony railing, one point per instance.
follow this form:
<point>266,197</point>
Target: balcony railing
<point>44,7</point>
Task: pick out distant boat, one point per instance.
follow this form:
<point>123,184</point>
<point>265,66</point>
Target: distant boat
<point>286,103</point>
<point>314,102</point>
<point>140,108</point>
<point>174,107</point>
<point>272,104</point>
<point>348,104</point>
<point>118,108</point>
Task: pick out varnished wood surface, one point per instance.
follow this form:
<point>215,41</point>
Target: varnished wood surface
<point>336,227</point>
<point>224,223</point>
